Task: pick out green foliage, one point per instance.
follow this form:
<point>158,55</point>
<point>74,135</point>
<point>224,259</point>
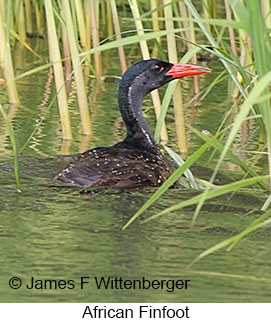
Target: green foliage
<point>254,86</point>
<point>248,70</point>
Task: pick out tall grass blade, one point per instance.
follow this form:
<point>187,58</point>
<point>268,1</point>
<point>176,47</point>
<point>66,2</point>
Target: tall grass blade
<point>187,173</point>
<point>169,182</point>
<point>213,43</point>
<point>231,242</point>
<point>261,43</point>
<point>252,98</point>
<point>228,188</point>
<point>213,141</point>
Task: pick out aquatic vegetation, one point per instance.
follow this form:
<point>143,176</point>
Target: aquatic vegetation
<point>79,33</point>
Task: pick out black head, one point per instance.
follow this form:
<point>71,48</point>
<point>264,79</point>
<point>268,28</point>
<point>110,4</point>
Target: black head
<point>150,74</point>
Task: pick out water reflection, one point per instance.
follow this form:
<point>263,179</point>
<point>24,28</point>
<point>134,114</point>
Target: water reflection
<point>53,232</point>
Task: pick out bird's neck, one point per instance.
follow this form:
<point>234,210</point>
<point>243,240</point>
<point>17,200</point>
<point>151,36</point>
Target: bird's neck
<point>139,134</point>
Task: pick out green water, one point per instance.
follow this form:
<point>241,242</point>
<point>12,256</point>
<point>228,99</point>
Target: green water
<point>53,232</point>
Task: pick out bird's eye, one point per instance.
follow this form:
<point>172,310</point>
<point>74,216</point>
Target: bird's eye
<point>158,68</point>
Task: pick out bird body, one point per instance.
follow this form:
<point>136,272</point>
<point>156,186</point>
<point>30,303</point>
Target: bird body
<point>115,167</point>
<point>136,161</point>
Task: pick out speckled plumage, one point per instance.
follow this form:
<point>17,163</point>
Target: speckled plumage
<point>137,160</point>
<point>115,167</point>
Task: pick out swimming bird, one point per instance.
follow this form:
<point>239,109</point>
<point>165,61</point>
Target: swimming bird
<point>136,161</point>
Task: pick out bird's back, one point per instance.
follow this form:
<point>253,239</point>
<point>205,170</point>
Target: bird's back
<point>115,167</point>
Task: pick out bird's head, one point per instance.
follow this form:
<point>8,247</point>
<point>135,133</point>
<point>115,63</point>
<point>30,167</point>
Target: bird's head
<point>150,74</point>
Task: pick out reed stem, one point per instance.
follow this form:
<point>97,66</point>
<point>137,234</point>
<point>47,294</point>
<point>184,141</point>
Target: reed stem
<point>118,35</point>
<point>231,30</point>
<point>55,57</point>
<point>95,38</point>
<point>21,21</point>
<point>177,95</point>
<point>28,16</point>
<point>189,33</point>
<point>109,19</point>
<point>78,74</point>
<point>38,17</point>
<point>3,9</point>
<point>67,59</point>
<point>81,23</point>
<point>6,59</point>
<point>88,30</point>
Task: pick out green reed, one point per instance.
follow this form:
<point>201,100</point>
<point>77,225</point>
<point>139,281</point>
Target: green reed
<point>249,35</point>
<point>6,62</point>
<point>55,57</point>
<point>239,38</point>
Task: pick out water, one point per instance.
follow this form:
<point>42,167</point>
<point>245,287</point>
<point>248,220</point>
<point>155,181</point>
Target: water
<point>51,232</point>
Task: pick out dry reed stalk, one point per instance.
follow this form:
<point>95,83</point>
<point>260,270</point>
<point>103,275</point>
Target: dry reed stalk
<point>109,19</point>
<point>67,60</point>
<point>177,95</point>
<point>87,62</point>
<point>194,57</point>
<point>55,57</point>
<point>65,149</point>
<point>21,21</point>
<point>78,73</point>
<point>155,24</point>
<point>146,55</point>
<point>88,29</point>
<point>206,12</point>
<point>103,13</point>
<point>10,20</point>
<point>189,33</point>
<point>38,17</point>
<point>185,22</point>
<point>155,18</point>
<point>6,64</point>
<point>3,9</point>
<point>95,38</point>
<point>2,41</point>
<point>245,52</point>
<point>81,23</point>
<point>118,35</point>
<point>28,16</point>
<point>85,142</point>
<point>140,29</point>
<point>231,30</point>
